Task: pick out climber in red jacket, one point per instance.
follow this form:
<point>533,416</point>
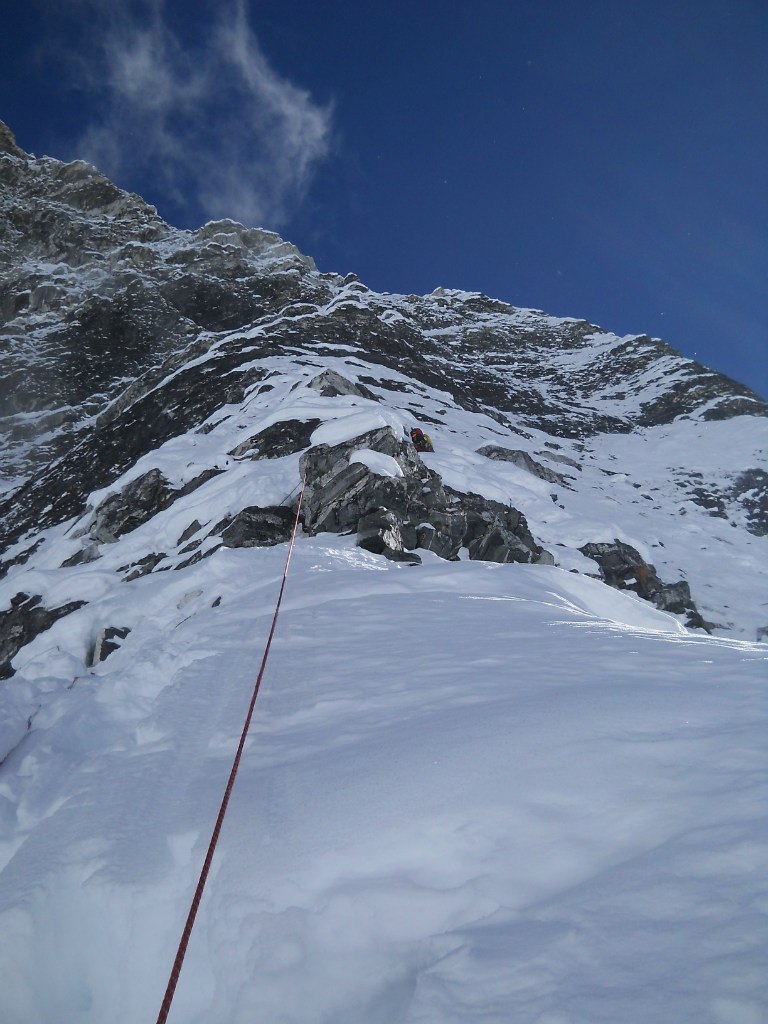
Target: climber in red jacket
<point>422,442</point>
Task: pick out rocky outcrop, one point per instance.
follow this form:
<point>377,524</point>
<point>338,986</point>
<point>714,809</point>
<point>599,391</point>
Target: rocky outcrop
<point>8,141</point>
<point>623,567</point>
<point>496,532</point>
<point>22,622</point>
<point>751,489</point>
<point>59,491</point>
<point>258,527</point>
<point>286,437</point>
<point>107,641</point>
<point>524,461</point>
<point>331,384</point>
<point>382,533</point>
<point>130,507</point>
<point>135,504</point>
<point>397,504</point>
<point>338,493</point>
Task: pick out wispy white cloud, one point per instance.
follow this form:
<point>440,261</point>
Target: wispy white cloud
<point>213,124</point>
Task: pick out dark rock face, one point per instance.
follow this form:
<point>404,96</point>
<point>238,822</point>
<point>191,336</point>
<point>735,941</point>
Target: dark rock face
<point>444,533</point>
<point>495,532</point>
<point>330,384</point>
<point>283,438</point>
<point>395,514</point>
<point>96,290</point>
<point>524,461</point>
<point>135,504</point>
<point>258,527</point>
<point>338,493</point>
<point>751,489</point>
<point>8,141</point>
<point>107,642</point>
<point>382,533</point>
<point>623,567</point>
<point>499,545</point>
<point>22,622</point>
<point>59,491</point>
<point>697,386</point>
<point>194,527</point>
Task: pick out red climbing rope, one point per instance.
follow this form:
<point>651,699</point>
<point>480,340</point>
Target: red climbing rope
<point>177,964</point>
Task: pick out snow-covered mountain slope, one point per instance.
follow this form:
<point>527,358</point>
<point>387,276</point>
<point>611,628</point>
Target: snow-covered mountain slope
<point>100,299</point>
<point>474,790</point>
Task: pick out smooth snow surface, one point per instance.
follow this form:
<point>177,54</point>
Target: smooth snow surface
<point>377,462</point>
<point>472,793</point>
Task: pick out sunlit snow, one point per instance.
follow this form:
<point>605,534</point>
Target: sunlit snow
<point>471,792</point>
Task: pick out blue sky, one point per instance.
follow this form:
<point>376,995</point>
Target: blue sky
<point>604,160</point>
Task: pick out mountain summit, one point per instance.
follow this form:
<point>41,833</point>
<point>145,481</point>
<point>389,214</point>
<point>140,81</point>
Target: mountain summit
<point>505,661</point>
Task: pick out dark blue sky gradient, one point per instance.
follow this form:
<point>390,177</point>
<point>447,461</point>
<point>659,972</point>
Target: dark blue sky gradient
<point>604,160</point>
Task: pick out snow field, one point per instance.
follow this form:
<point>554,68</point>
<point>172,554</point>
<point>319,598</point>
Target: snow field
<point>470,793</point>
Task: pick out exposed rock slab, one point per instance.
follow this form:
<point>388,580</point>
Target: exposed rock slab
<point>133,505</point>
<point>524,461</point>
<point>258,527</point>
<point>395,514</point>
<point>22,622</point>
<point>382,533</point>
<point>285,437</point>
<point>624,568</point>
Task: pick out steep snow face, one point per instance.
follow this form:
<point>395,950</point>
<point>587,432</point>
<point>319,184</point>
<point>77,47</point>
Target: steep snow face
<point>472,792</point>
